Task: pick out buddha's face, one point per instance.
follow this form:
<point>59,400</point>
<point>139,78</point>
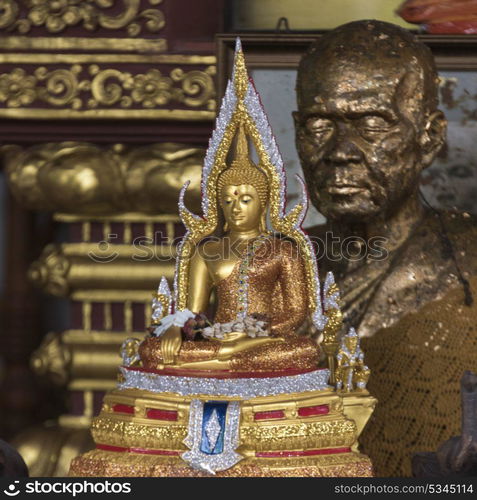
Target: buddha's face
<point>241,207</point>
<point>362,133</point>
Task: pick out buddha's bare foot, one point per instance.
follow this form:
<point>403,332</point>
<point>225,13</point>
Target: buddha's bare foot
<point>231,347</point>
<point>211,364</point>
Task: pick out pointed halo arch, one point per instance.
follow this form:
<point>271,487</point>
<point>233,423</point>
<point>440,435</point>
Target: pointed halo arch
<point>242,105</point>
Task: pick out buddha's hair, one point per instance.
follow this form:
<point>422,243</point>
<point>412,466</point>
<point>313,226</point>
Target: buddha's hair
<point>238,175</point>
<point>244,172</point>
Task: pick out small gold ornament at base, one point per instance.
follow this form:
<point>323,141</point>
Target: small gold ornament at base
<point>351,373</point>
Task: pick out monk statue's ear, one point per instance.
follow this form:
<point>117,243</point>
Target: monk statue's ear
<point>433,137</point>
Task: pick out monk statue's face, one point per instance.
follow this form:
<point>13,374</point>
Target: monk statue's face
<point>241,207</point>
<point>363,128</point>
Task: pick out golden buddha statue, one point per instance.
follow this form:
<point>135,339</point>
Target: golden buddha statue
<point>243,395</point>
<point>254,274</point>
<point>367,124</point>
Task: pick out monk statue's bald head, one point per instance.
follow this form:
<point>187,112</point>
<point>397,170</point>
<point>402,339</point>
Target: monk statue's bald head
<point>367,120</point>
<point>369,53</point>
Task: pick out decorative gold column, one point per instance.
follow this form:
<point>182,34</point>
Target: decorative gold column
<point>115,254</point>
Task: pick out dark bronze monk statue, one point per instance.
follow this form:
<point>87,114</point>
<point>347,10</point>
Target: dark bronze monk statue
<point>367,124</point>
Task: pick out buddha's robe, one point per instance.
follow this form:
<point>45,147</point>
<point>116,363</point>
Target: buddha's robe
<point>277,289</point>
<point>423,337</point>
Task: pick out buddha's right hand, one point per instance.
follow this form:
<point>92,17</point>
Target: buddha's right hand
<point>171,342</point>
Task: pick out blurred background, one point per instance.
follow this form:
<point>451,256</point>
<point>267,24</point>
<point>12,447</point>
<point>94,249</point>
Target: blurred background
<point>106,108</point>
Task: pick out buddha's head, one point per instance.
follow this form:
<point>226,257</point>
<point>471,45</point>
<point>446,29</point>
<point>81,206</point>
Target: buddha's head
<point>242,191</point>
<point>367,120</point>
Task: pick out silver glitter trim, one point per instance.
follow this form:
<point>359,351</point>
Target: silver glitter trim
<point>224,117</point>
<point>182,206</point>
<point>256,111</point>
<point>330,302</point>
<point>303,201</point>
<point>352,332</point>
<point>212,429</point>
<point>203,461</point>
<point>245,388</point>
<point>157,308</point>
<point>319,320</point>
<point>163,288</point>
<point>128,355</point>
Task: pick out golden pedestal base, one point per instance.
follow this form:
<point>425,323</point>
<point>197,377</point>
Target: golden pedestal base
<point>311,433</point>
<point>112,464</point>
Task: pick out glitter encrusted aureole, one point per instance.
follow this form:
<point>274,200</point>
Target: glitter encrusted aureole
<point>245,388</point>
<point>241,106</point>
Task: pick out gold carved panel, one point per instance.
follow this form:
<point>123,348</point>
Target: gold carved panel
<point>132,17</point>
<point>107,86</point>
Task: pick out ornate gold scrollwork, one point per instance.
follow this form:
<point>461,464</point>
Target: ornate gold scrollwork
<point>197,86</point>
<point>57,15</point>
<point>8,13</point>
<point>107,87</point>
<point>17,88</point>
<point>61,86</point>
<point>103,90</point>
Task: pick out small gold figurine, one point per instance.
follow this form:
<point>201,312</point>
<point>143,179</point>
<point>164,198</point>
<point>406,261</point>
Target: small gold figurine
<point>129,352</point>
<point>351,372</point>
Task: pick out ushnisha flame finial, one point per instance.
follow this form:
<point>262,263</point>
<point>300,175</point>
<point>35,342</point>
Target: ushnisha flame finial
<point>243,170</point>
<point>241,149</point>
<point>240,75</point>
